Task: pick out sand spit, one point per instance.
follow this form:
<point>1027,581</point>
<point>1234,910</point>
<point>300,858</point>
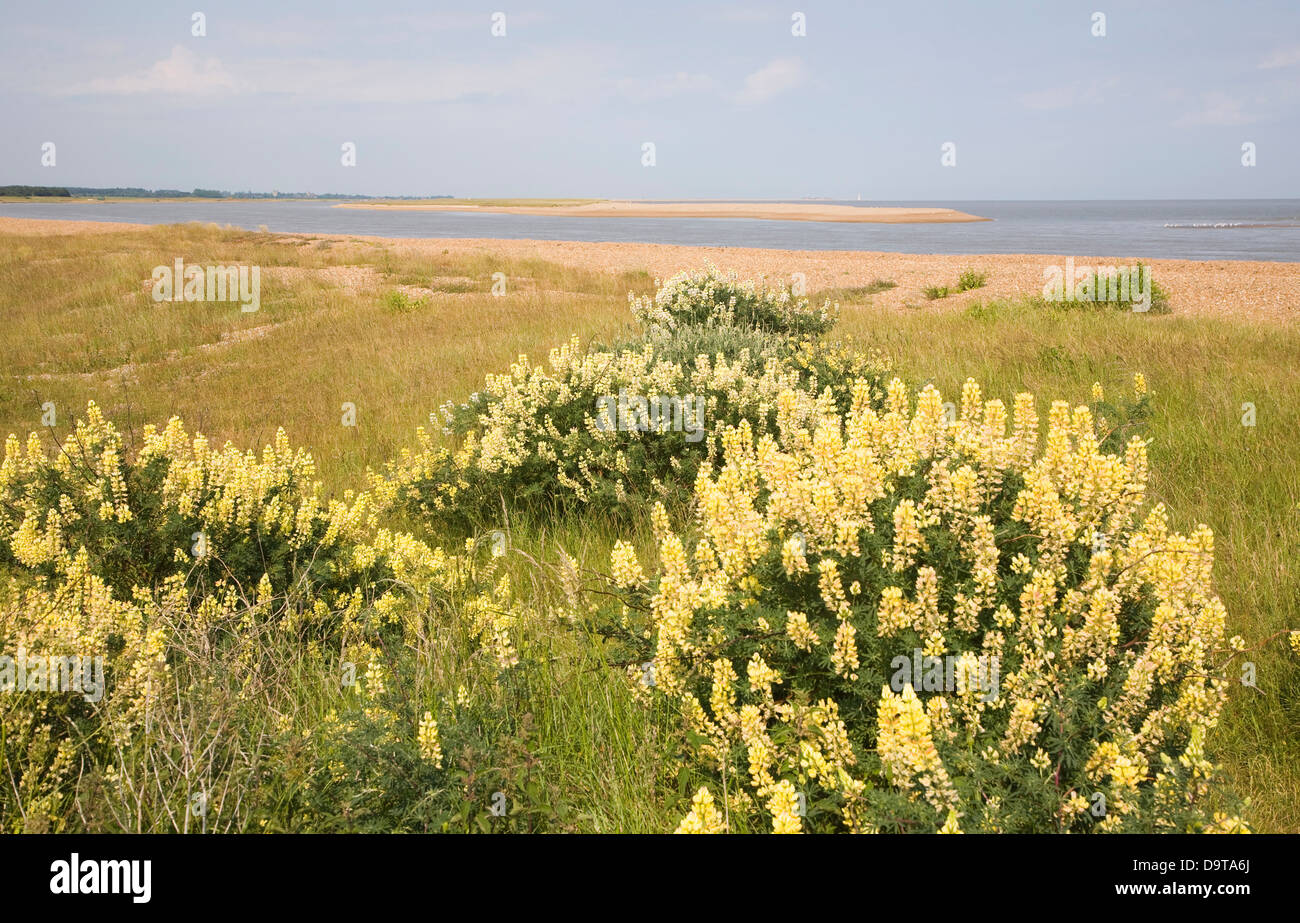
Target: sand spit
<point>770,211</point>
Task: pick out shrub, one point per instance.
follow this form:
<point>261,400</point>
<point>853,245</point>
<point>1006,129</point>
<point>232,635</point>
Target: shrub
<point>1114,290</point>
<point>598,427</point>
<point>1082,645</point>
<point>710,299</point>
<point>149,564</point>
<point>180,509</point>
<point>399,302</point>
<point>839,537</point>
<point>970,279</point>
<point>935,292</point>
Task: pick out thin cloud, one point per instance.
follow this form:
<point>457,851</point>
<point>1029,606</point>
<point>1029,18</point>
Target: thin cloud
<point>781,75</point>
<point>1284,57</point>
<point>743,15</point>
<point>551,76</point>
<point>665,86</point>
<point>180,72</point>
<point>1066,97</point>
<point>1218,109</point>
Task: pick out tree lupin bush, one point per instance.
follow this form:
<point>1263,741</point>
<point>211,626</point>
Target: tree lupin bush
<point>898,621</point>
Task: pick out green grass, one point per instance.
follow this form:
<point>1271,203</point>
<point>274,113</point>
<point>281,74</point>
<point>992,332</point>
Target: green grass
<point>79,326</point>
<point>854,295</point>
<point>968,280</point>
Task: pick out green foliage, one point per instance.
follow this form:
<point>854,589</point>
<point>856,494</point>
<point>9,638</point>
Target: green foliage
<point>399,302</point>
<point>291,749</point>
<point>1117,290</point>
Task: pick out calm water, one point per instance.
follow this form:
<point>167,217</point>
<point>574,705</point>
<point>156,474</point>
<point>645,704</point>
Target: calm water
<point>1205,229</point>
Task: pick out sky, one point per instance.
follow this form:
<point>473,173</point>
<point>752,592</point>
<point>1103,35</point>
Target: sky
<point>734,103</point>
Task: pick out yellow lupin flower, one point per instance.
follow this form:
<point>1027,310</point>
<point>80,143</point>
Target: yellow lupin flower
<point>810,486</point>
<point>800,632</point>
<point>703,817</point>
<point>625,567</point>
<point>430,745</point>
<point>783,803</point>
<point>761,676</point>
<point>907,750</point>
<point>844,655</point>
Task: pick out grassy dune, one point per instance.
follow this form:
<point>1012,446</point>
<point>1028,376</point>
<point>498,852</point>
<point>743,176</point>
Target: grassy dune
<point>397,335</point>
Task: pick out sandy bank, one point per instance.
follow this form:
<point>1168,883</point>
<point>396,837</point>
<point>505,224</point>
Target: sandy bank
<point>770,211</point>
<point>52,227</point>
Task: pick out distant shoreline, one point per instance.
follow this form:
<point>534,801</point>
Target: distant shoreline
<point>1261,291</point>
<point>767,211</point>
<point>584,208</point>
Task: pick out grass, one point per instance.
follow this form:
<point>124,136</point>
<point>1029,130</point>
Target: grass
<point>79,326</point>
<point>337,324</point>
<point>968,280</point>
<point>1107,290</point>
<point>853,295</point>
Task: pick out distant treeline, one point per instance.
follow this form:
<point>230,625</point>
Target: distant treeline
<point>134,192</point>
<point>35,190</point>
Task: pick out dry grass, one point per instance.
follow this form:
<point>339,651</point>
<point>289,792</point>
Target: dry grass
<point>80,325</point>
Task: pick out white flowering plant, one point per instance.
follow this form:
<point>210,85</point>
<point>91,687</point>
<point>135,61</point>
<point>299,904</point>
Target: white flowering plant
<point>547,435</point>
<point>713,299</point>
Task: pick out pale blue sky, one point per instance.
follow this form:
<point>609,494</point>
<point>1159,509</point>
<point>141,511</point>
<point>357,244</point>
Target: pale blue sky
<point>736,105</point>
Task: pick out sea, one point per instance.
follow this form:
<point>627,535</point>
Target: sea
<point>1190,229</point>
